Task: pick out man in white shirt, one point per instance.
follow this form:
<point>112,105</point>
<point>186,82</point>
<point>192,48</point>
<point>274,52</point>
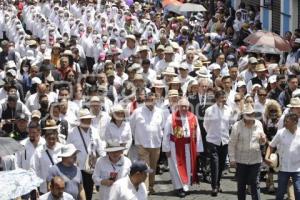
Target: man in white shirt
<point>57,188</point>
<point>287,143</point>
<point>217,137</point>
<point>147,124</point>
<point>85,138</point>
<point>132,186</point>
<point>46,155</point>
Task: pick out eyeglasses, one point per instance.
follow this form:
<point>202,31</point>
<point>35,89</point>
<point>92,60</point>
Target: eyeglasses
<point>237,100</point>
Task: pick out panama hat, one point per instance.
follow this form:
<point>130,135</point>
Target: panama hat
<point>183,102</point>
<point>68,150</point>
<point>173,93</point>
<point>175,80</point>
<point>248,109</point>
<point>50,125</point>
<point>260,68</point>
<point>114,146</point>
<point>294,103</point>
<point>169,71</point>
<point>117,108</point>
<point>198,64</point>
<point>85,114</point>
<point>158,84</point>
<point>202,72</point>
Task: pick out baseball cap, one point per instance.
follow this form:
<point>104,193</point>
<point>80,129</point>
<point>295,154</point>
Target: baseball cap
<point>22,116</point>
<point>140,166</point>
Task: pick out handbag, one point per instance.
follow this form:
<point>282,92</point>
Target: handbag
<point>92,157</point>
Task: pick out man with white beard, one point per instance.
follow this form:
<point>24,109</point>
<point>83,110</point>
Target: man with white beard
<point>182,129</point>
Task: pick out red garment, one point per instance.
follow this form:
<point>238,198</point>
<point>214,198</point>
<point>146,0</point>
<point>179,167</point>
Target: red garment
<point>133,106</point>
<point>180,141</point>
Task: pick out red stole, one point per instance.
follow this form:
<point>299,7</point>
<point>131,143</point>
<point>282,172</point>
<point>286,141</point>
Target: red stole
<point>133,106</point>
<point>180,141</point>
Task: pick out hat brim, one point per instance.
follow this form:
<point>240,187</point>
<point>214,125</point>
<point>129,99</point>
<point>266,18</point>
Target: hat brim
<point>114,149</point>
<point>168,73</point>
<point>64,155</point>
<point>51,128</point>
<point>87,117</point>
<point>293,106</point>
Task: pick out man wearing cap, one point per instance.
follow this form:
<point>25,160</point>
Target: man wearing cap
<point>68,170</point>
<point>182,130</point>
<point>131,186</point>
<point>261,77</point>
<point>111,167</point>
<point>286,141</point>
<point>20,132</point>
<point>46,155</point>
<point>217,137</point>
<point>86,139</point>
<point>146,125</point>
<point>168,58</point>
<point>246,137</point>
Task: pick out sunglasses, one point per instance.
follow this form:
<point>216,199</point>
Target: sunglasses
<point>237,100</point>
<point>263,95</point>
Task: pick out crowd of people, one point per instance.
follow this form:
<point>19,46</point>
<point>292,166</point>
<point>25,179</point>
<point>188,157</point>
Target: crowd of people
<point>104,95</point>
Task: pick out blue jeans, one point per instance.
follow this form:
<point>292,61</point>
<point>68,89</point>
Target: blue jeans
<point>248,175</point>
<point>283,178</point>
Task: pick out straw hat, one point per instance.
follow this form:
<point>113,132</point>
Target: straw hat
<point>85,114</point>
<point>183,102</point>
<point>202,72</point>
<point>138,77</point>
<point>248,109</point>
<point>50,125</point>
<point>198,64</point>
<point>175,80</point>
<point>260,68</point>
<point>168,49</point>
<point>173,93</point>
<point>294,103</point>
<point>169,71</point>
<point>117,108</point>
<point>158,84</point>
<point>114,146</point>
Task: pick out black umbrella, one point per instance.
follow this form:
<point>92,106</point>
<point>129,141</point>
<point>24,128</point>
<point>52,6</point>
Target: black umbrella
<point>9,146</point>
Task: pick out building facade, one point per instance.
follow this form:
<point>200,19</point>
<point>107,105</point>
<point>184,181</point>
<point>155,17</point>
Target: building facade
<point>278,16</point>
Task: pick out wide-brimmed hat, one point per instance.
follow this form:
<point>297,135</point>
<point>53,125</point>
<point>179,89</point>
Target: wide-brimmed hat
<point>248,109</point>
<point>134,66</point>
<point>175,80</point>
<point>169,49</point>
<point>117,108</point>
<point>85,114</point>
<point>158,84</point>
<point>36,114</point>
<point>169,71</point>
<point>114,146</point>
<point>51,125</point>
<point>203,73</point>
<point>138,77</point>
<point>68,150</point>
<point>132,37</point>
<point>294,103</point>
<point>274,158</point>
<point>260,68</point>
<point>198,64</point>
<point>240,84</point>
<point>173,93</point>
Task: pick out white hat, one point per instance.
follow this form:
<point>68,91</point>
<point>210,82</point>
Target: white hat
<point>85,114</point>
<point>294,103</point>
<point>240,84</point>
<point>274,158</point>
<point>272,79</point>
<point>68,150</point>
<point>36,80</point>
<point>183,66</point>
<point>214,66</point>
<point>117,108</point>
<point>47,56</point>
<point>248,109</point>
<point>297,40</point>
<point>114,146</point>
<point>12,72</point>
<point>158,84</point>
<point>202,72</point>
<point>296,93</point>
<point>169,71</point>
<point>173,93</point>
<point>10,64</point>
<point>131,37</point>
<point>183,102</point>
<point>256,85</point>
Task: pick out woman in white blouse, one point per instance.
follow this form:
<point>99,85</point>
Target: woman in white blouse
<point>110,168</point>
<point>118,129</point>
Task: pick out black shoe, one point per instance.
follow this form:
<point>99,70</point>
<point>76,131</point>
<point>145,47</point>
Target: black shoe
<point>180,193</point>
<point>214,192</point>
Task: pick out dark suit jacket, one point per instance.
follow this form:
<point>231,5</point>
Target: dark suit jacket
<point>56,75</point>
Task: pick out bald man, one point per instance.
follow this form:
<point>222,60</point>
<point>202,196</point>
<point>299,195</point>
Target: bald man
<point>57,188</point>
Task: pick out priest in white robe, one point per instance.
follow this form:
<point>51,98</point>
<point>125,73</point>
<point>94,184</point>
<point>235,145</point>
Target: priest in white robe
<point>182,129</point>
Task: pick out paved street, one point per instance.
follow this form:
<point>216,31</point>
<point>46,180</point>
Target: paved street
<point>164,189</point>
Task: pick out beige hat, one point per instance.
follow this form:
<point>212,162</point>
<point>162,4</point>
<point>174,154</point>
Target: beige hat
<point>138,77</point>
<point>260,68</point>
<point>56,45</point>
<point>252,60</point>
<point>158,84</point>
<point>294,103</point>
<point>168,49</point>
<point>248,109</point>
<point>114,146</point>
<point>117,108</point>
<point>183,102</point>
<point>95,99</point>
<point>169,71</point>
<point>183,66</point>
<point>175,80</point>
<point>175,45</point>
<point>31,42</point>
<point>84,113</point>
<point>143,48</point>
<point>135,66</point>
<point>36,113</point>
<point>51,125</point>
<point>198,64</point>
<point>160,47</point>
<point>173,93</point>
<point>202,72</point>
<point>67,53</point>
<point>110,73</point>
